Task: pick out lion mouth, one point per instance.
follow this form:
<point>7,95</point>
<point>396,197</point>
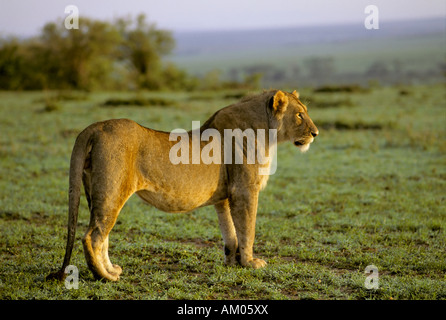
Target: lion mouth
<point>303,145</point>
<point>298,143</point>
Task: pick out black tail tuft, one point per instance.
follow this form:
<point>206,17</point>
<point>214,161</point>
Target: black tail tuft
<point>58,275</point>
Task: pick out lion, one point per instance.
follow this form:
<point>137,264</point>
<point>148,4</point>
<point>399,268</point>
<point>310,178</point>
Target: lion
<point>116,158</point>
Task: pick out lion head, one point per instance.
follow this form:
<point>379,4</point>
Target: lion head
<point>294,123</point>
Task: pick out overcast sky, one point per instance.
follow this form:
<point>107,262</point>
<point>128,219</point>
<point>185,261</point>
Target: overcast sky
<point>26,17</point>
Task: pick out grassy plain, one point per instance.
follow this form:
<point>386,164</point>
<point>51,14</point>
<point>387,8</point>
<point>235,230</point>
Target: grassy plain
<point>356,56</point>
<point>370,191</point>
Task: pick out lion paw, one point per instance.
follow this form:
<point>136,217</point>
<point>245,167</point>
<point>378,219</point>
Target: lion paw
<point>117,269</point>
<point>114,270</point>
<point>256,263</point>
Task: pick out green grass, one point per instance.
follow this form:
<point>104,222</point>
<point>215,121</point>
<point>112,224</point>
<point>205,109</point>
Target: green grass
<point>359,196</point>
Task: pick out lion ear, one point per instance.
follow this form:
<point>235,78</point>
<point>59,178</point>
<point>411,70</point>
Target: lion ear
<point>296,94</point>
<point>280,102</point>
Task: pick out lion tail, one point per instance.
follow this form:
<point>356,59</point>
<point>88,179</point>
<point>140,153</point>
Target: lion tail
<point>81,148</point>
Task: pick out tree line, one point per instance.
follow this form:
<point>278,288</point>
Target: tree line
<point>124,54</point>
<point>321,70</point>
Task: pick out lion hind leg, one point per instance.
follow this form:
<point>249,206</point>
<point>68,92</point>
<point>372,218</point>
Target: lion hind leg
<point>113,269</point>
<point>96,241</point>
<point>96,253</point>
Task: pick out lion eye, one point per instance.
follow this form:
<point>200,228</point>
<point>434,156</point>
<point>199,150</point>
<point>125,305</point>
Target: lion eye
<point>299,116</point>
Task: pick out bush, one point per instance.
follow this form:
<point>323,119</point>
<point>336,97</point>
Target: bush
<point>98,55</point>
<point>340,88</point>
<point>138,101</point>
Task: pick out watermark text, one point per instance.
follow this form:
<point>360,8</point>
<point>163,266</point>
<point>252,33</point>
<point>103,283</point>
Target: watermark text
<point>372,280</point>
<point>372,20</point>
<point>72,20</point>
<point>258,149</point>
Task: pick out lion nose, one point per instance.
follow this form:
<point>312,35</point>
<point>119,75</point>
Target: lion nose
<point>314,133</point>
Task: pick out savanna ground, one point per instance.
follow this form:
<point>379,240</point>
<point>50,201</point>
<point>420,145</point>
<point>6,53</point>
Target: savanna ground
<point>370,191</point>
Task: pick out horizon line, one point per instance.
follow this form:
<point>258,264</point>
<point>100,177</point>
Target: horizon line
<point>243,29</point>
<point>303,26</point>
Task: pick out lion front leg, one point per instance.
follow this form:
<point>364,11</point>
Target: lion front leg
<point>243,207</point>
<point>232,254</point>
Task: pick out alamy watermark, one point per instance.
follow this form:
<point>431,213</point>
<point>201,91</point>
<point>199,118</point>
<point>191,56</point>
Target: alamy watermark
<point>372,279</point>
<point>72,20</point>
<point>257,150</point>
<point>72,279</point>
<point>372,20</point>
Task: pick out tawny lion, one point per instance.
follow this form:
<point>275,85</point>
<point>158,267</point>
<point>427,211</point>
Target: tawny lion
<point>117,158</point>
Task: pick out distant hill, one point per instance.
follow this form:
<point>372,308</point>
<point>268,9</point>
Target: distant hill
<point>189,43</point>
<point>284,55</point>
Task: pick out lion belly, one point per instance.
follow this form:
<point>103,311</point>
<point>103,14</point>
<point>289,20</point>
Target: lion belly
<point>177,201</point>
<point>167,203</point>
<point>181,188</point>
